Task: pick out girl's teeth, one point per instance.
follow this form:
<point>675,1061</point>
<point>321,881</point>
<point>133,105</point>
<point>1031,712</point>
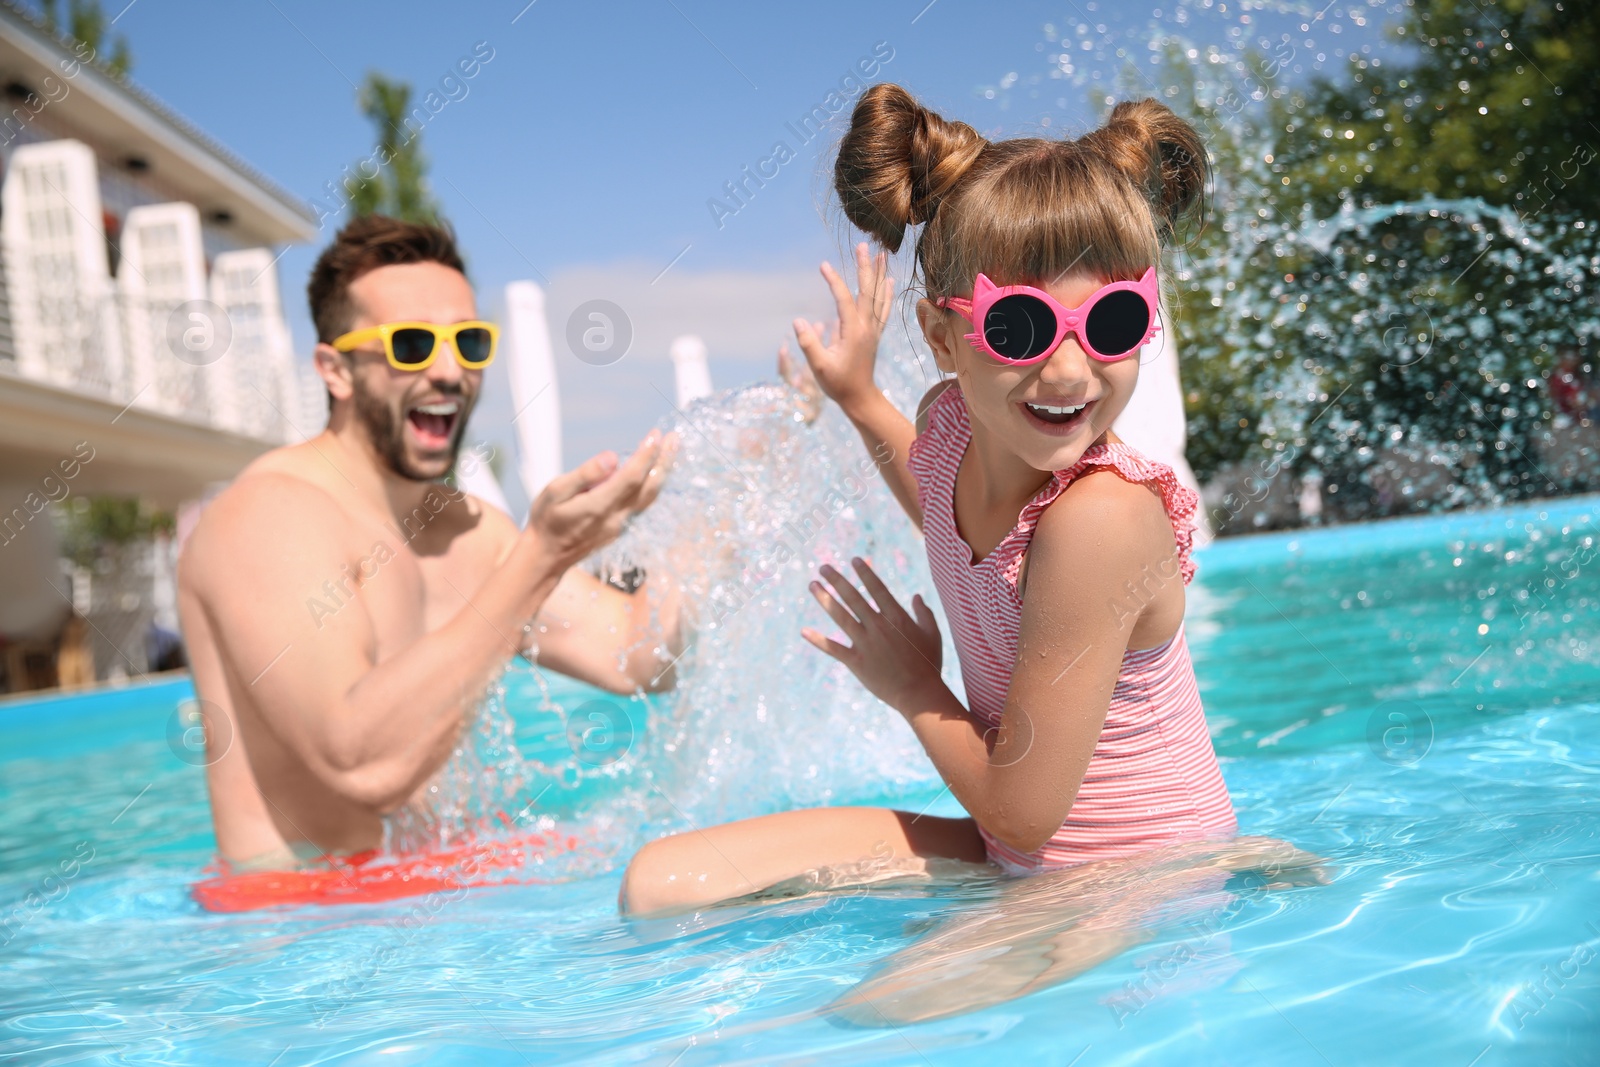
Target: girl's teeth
<point>1048,410</point>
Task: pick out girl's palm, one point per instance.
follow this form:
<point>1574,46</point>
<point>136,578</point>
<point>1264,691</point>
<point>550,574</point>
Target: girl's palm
<point>894,653</point>
<point>843,364</point>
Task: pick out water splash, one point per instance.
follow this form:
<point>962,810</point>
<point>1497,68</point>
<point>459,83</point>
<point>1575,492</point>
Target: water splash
<point>469,794</point>
<point>756,500</point>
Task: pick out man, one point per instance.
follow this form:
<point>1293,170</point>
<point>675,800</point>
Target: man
<point>345,610</point>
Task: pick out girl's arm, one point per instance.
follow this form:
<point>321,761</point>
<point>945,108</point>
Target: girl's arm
<point>1020,781</point>
<point>843,370</point>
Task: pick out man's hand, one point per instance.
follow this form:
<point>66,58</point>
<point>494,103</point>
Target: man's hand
<point>895,655</point>
<point>843,366</point>
<point>585,509</point>
<point>808,396</point>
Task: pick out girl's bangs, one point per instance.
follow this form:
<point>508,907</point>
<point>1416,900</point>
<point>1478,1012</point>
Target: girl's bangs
<point>1039,219</point>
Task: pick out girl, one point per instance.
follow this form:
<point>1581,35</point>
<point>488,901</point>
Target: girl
<point>1060,553</point>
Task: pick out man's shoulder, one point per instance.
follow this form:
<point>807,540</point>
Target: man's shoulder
<point>278,490</point>
<point>269,503</point>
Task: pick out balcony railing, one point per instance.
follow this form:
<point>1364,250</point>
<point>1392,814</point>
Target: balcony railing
<point>163,333</point>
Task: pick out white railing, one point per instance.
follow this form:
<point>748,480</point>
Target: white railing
<point>163,334</point>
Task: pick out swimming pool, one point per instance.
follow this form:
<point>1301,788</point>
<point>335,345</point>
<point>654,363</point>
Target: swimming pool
<point>1415,700</point>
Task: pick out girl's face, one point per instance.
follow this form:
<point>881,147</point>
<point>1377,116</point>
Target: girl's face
<point>1013,405</point>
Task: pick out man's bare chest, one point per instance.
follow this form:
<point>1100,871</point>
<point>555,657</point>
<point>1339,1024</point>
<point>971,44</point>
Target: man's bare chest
<point>412,577</point>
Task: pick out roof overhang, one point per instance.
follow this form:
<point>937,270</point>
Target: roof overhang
<point>121,120</point>
<point>137,452</point>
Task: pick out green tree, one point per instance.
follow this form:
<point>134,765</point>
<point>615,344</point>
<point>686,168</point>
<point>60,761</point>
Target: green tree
<point>1500,102</point>
<point>1400,349</point>
<point>92,525</point>
<point>393,179</point>
<point>1453,197</point>
<point>86,22</point>
<point>1434,325</point>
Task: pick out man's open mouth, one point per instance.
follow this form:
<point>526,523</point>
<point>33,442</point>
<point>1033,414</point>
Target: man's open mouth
<point>434,424</point>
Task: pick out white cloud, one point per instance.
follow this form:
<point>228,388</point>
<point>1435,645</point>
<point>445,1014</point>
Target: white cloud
<point>742,316</point>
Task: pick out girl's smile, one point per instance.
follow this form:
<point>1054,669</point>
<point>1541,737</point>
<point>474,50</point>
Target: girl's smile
<point>1059,418</point>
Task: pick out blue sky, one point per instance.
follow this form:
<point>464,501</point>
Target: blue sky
<point>585,151</point>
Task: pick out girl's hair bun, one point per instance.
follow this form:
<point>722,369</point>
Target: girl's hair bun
<point>1023,210</point>
<point>898,161</point>
<point>1160,154</point>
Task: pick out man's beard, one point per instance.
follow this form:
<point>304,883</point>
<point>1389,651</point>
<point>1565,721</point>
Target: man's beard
<point>387,434</point>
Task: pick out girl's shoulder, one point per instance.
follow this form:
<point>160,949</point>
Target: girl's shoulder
<point>1116,489</point>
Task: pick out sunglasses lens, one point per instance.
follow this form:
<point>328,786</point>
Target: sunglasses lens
<point>1019,327</point>
<point>475,345</point>
<point>1117,323</point>
<point>411,346</point>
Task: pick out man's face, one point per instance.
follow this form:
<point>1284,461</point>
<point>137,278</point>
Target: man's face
<point>414,419</point>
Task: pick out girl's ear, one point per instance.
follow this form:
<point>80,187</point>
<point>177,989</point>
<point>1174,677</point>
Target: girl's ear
<point>941,335</point>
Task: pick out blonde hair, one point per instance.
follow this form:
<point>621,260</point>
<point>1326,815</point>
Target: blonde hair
<point>1022,210</point>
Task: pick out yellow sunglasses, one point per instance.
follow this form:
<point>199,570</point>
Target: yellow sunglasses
<point>413,345</point>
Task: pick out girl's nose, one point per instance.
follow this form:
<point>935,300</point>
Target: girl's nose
<point>1068,365</point>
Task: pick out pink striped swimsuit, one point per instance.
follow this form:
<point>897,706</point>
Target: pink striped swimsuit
<point>1153,778</point>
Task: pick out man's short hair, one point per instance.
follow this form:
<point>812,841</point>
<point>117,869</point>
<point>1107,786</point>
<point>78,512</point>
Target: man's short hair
<point>365,244</point>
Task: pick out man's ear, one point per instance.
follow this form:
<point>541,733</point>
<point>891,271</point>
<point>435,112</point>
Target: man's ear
<point>335,371</point>
<point>941,336</point>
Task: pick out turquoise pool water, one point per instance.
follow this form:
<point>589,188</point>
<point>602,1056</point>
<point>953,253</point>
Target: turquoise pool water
<point>1414,700</point>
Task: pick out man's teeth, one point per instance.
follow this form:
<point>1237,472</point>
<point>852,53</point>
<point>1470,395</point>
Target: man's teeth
<point>1048,409</point>
<point>449,407</point>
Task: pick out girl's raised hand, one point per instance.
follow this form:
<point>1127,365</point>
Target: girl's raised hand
<point>843,366</point>
<point>894,654</point>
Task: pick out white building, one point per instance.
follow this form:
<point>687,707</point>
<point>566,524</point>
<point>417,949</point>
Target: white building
<point>140,312</point>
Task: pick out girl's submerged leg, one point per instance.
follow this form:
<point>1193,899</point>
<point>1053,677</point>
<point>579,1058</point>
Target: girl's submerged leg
<point>1047,928</point>
<point>838,846</point>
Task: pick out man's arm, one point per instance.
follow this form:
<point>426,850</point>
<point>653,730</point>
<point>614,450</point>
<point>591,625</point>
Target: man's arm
<point>592,631</point>
<point>620,642</point>
<point>373,731</point>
